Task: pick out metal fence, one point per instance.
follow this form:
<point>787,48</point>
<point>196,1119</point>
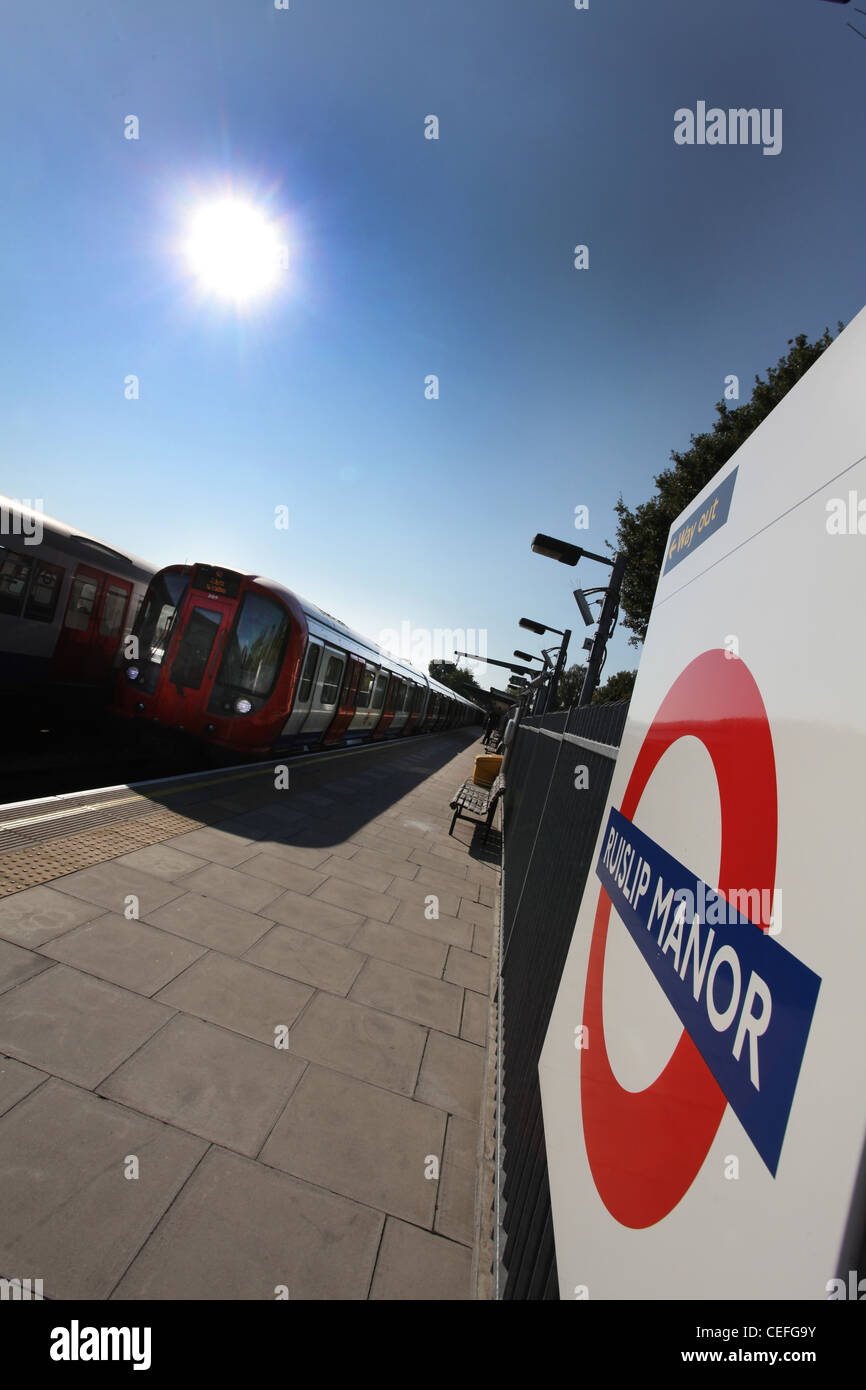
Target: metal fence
<point>550,824</point>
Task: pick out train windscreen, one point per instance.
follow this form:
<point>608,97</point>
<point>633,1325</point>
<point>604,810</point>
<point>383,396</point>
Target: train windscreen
<point>156,622</point>
<point>254,652</point>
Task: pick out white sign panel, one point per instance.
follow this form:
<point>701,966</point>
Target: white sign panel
<point>704,1072</point>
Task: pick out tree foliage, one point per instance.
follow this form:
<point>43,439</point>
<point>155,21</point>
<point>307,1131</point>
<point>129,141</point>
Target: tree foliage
<point>617,687</point>
<point>458,678</point>
<point>570,686</point>
<point>642,532</point>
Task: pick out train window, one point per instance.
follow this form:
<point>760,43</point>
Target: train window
<point>162,601</point>
<point>256,647</point>
<point>199,635</point>
<point>44,593</point>
<point>331,682</point>
<point>14,573</point>
<point>82,597</point>
<point>365,686</point>
<point>379,692</point>
<point>306,683</point>
<point>113,609</point>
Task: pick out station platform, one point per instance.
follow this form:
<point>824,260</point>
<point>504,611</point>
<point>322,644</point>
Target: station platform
<point>244,1033</point>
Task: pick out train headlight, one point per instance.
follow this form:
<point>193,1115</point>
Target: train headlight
<point>243,706</point>
<point>132,673</point>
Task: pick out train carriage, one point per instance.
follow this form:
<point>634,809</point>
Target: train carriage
<point>248,666</point>
<point>66,600</point>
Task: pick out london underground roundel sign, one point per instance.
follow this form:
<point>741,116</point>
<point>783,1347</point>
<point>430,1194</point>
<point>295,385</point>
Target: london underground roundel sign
<point>666,1130</point>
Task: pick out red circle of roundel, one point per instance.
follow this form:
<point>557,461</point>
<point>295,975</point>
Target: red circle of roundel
<point>645,1148</point>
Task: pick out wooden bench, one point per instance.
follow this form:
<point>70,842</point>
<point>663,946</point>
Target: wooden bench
<point>474,802</point>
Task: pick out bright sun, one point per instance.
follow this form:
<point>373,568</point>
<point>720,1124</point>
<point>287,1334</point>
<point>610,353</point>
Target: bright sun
<point>234,250</point>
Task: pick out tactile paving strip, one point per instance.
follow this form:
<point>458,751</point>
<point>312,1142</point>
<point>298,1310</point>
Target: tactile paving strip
<point>106,824</point>
<point>25,868</point>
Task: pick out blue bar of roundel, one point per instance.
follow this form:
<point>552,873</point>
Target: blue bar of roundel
<point>793,989</point>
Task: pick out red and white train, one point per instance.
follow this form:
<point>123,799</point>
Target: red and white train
<point>66,599</point>
<point>243,664</point>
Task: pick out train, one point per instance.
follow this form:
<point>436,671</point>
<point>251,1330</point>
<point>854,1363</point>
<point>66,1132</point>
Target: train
<point>247,666</point>
<point>66,600</point>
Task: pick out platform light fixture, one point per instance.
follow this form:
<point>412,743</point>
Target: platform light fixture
<point>532,626</point>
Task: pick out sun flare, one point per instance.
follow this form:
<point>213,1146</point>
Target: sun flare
<point>233,249</point>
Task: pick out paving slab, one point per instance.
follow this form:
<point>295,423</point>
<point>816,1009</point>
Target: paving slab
<point>309,914</point>
<point>307,959</point>
<point>75,1027</point>
<point>467,969</point>
<point>276,869</point>
<point>452,930</point>
<point>482,940</point>
<point>354,871</point>
<point>409,994</point>
<point>17,1080</point>
<point>208,1081</point>
<point>18,964</point>
<point>308,856</point>
<point>39,914</point>
<point>126,953</point>
<point>353,898</point>
<point>366,1043</point>
<point>237,996</point>
<point>69,1212</point>
<point>231,886</point>
<point>112,885</point>
<point>415,1265</point>
<point>360,1141</point>
<point>211,923</point>
<point>401,947</point>
<point>162,861</point>
<point>240,1230</point>
<point>452,1075</point>
<point>418,891</point>
<point>219,846</point>
<point>478,913</point>
<point>473,1025</point>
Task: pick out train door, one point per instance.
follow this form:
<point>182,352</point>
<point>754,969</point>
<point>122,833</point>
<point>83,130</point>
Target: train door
<point>192,659</point>
<point>355,668</point>
<point>392,695</point>
<point>307,690</point>
<point>91,628</point>
<point>402,699</point>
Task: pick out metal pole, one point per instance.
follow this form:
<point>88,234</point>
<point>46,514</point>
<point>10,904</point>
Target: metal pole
<point>557,671</point>
<point>603,631</point>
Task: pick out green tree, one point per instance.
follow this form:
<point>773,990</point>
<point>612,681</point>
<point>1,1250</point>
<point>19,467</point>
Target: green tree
<point>642,532</point>
<point>460,679</point>
<point>618,687</point>
<point>570,686</point>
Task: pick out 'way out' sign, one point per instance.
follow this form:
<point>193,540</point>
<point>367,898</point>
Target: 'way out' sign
<point>704,1073</point>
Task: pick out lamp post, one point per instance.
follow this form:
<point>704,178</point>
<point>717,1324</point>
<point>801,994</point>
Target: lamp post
<point>568,554</point>
<point>604,631</point>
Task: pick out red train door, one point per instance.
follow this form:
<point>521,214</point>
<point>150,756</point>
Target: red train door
<point>91,627</point>
<point>192,659</point>
<point>346,709</point>
<point>389,708</point>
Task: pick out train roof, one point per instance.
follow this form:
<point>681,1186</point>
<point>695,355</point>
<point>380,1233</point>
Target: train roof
<point>69,538</point>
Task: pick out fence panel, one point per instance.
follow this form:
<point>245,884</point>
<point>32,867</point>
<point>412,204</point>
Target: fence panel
<point>559,773</point>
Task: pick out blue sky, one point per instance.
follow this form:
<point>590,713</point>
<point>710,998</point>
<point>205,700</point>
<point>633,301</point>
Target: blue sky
<point>558,388</point>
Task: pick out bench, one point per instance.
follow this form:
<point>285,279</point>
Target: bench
<point>474,802</point>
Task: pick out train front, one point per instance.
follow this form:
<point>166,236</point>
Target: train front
<point>215,655</point>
